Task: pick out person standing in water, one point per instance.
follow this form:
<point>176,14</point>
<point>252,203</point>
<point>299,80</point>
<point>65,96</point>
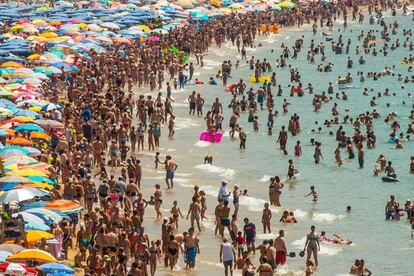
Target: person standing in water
<point>312,245</point>
<point>227,256</point>
<point>170,167</point>
<point>281,250</point>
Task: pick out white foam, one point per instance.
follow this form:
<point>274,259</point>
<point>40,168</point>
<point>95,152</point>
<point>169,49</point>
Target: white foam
<point>212,62</point>
<point>287,37</point>
<point>183,123</point>
<point>300,214</point>
<point>326,217</point>
<point>202,144</point>
<point>224,172</point>
<point>265,178</point>
<point>171,150</point>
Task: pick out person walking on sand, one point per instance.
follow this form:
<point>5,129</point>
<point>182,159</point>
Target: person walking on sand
<point>170,168</point>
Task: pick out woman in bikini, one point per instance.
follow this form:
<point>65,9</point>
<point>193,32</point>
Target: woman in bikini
<point>312,245</point>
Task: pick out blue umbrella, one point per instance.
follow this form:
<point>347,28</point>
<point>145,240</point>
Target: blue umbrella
<point>8,148</point>
<point>36,204</point>
<point>27,113</point>
<point>7,102</point>
<point>4,255</point>
<point>29,127</point>
<point>47,215</point>
<point>39,178</point>
<point>57,268</point>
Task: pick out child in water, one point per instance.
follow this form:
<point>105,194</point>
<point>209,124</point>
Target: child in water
<point>313,193</point>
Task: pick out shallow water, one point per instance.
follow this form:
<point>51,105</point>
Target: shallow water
<point>380,243</point>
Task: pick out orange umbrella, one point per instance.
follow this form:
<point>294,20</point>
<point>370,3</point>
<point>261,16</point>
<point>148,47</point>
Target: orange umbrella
<point>64,205</point>
<point>39,135</point>
<point>19,141</point>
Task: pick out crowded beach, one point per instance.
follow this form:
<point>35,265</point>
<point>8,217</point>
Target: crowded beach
<point>100,102</point>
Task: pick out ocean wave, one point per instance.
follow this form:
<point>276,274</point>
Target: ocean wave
<point>202,144</point>
<point>326,217</point>
<point>223,172</point>
<point>183,123</point>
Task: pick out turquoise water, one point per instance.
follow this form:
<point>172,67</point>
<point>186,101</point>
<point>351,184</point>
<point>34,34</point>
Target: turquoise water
<point>384,245</point>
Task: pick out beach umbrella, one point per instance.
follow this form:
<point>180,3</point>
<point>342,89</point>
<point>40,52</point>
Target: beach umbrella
<point>33,236</point>
<point>18,195</point>
<point>32,222</point>
<point>27,113</point>
<point>33,151</point>
<point>63,205</point>
<point>287,4</point>
<point>51,106</point>
<point>17,269</point>
<point>4,255</point>
<point>19,141</point>
<point>186,4</point>
<point>38,178</point>
<point>29,172</point>
<point>11,152</point>
<point>36,185</point>
<point>14,179</point>
<point>19,159</point>
<point>110,25</point>
<point>29,127</point>
<point>56,268</point>
<point>47,215</point>
<point>32,254</point>
<point>11,248</point>
<point>39,135</point>
<point>12,64</point>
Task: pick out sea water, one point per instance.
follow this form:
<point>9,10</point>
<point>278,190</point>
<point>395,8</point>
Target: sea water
<point>386,247</point>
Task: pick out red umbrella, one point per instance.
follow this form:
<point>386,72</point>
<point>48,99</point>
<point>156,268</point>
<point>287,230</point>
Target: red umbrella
<point>18,267</point>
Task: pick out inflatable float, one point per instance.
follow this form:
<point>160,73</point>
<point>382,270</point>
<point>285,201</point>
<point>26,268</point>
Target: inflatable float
<point>406,62</point>
<point>206,136</point>
<point>252,79</point>
<point>390,179</point>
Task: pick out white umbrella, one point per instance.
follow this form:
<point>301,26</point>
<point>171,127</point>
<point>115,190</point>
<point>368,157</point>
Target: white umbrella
<point>14,269</point>
<point>110,25</point>
<point>38,76</point>
<point>17,195</point>
<point>33,81</point>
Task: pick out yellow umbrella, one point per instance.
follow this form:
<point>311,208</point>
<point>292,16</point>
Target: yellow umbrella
<point>34,56</point>
<point>34,37</point>
<point>29,172</point>
<point>144,27</point>
<point>32,254</point>
<point>49,35</point>
<point>22,119</point>
<point>82,25</point>
<point>35,108</point>
<point>16,28</point>
<point>37,235</point>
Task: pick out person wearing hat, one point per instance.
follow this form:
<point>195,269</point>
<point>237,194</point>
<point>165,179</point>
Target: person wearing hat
<point>223,194</point>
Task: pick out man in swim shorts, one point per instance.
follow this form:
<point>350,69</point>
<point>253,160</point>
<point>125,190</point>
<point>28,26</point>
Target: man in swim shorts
<point>191,248</point>
<point>170,167</point>
<point>281,250</point>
